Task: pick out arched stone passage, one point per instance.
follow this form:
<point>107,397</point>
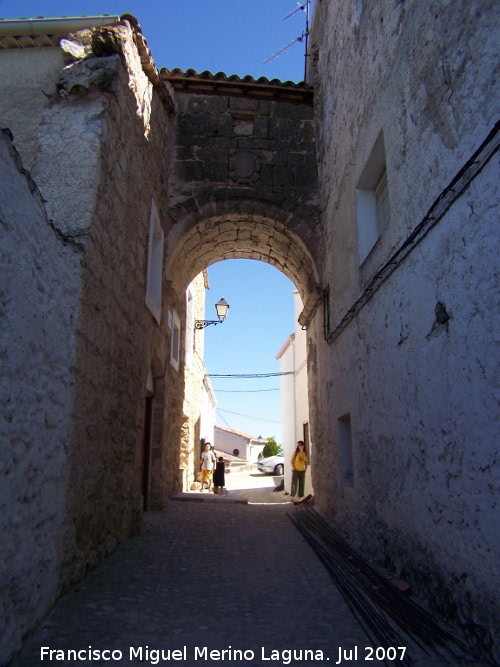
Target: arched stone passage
<point>242,230</point>
<point>244,179</point>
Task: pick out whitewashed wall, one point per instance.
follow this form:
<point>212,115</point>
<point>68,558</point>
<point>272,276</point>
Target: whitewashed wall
<point>228,441</point>
<point>294,395</point>
<point>199,406</point>
<point>208,407</point>
<point>422,398</point>
<point>40,286</point>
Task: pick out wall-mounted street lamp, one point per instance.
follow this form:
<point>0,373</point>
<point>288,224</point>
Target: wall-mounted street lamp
<point>221,307</point>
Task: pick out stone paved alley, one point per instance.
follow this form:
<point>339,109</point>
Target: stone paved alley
<point>208,572</point>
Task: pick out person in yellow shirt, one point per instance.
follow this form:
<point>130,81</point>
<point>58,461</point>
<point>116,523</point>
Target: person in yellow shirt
<point>299,467</point>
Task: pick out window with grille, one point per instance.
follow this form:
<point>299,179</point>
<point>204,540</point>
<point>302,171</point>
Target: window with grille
<point>372,200</point>
<point>382,203</point>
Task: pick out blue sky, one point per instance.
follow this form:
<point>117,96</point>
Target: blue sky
<point>232,36</point>
<point>235,37</point>
<point>260,319</point>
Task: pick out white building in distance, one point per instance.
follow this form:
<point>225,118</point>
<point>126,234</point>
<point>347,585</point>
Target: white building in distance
<point>294,402</point>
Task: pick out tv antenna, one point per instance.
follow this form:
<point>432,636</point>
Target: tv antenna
<point>301,7</point>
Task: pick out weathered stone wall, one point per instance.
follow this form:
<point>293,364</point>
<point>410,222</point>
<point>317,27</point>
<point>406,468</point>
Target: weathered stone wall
<point>118,339</point>
<point>247,147</point>
<point>244,185</point>
<point>419,390</point>
<point>79,338</point>
<point>40,287</point>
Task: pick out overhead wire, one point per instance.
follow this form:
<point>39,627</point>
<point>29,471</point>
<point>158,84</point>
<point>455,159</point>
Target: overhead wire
<point>248,375</point>
<point>243,391</point>
<point>225,421</point>
<point>261,419</point>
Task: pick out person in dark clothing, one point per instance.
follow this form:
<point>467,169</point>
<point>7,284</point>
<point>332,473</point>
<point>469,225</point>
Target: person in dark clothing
<point>219,476</point>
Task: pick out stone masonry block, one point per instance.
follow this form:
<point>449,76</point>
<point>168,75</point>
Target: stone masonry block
<point>216,172</point>
<point>189,170</point>
<point>252,143</point>
<point>303,176</point>
<point>261,127</point>
<point>296,159</point>
<point>283,176</point>
<point>228,235</point>
<point>191,125</point>
<point>199,104</point>
<point>243,104</point>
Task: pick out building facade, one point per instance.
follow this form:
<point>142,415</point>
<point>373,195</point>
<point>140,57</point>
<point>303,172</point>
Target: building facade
<point>99,419</point>
<point>294,397</point>
<point>405,351</point>
<point>241,445</point>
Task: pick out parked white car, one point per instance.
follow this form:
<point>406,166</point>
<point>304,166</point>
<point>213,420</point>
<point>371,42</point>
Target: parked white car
<point>273,465</point>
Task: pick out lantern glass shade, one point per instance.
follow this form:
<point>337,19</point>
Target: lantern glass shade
<point>222,307</point>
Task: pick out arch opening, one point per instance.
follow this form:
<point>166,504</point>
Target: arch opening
<point>259,341</point>
<point>195,244</point>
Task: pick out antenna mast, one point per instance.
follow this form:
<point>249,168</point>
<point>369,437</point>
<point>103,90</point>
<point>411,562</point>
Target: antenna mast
<point>304,37</point>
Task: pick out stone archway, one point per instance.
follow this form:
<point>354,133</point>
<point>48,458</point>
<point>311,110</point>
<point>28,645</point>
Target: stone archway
<point>243,182</point>
<point>242,229</point>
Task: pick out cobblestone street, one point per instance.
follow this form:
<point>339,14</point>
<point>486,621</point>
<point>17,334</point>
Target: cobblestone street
<point>208,574</point>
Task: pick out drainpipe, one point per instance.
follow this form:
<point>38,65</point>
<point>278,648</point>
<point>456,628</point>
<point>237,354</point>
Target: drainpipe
<point>57,26</point>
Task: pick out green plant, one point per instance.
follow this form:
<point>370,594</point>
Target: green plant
<point>271,448</point>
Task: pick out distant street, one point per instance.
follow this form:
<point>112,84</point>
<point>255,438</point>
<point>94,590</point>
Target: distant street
<point>254,486</point>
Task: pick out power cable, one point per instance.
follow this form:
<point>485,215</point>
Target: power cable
<point>248,375</point>
<point>225,421</point>
<point>260,419</point>
<point>243,391</point>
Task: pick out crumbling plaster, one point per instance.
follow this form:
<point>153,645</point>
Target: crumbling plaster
<point>37,75</point>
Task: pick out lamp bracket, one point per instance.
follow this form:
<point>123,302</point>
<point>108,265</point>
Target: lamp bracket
<point>201,324</point>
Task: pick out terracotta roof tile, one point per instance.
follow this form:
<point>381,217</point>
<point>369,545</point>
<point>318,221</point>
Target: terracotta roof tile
<point>206,82</point>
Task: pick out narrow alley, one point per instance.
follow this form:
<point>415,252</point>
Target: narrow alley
<point>132,164</point>
<point>211,580</point>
